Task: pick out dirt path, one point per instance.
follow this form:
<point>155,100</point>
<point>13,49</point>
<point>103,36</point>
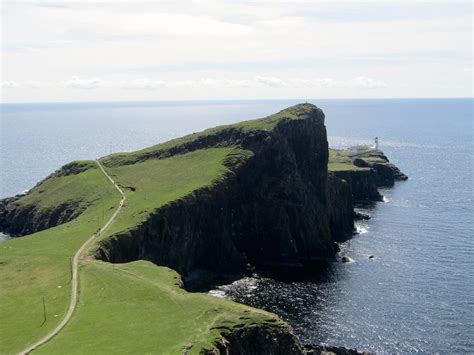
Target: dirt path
<point>75,262</point>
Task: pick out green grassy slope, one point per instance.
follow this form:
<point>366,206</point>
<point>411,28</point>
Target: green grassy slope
<point>59,188</point>
<point>152,183</point>
<point>138,308</point>
<point>340,161</point>
<point>134,307</point>
<point>38,265</point>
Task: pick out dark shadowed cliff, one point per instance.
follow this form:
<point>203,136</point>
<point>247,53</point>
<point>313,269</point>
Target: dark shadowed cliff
<point>272,211</point>
<point>275,208</point>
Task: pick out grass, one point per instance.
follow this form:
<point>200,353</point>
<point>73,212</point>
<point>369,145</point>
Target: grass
<point>154,182</point>
<point>340,161</point>
<point>129,308</point>
<point>38,265</point>
<point>138,308</point>
<point>58,188</point>
<point>373,157</point>
<point>268,123</point>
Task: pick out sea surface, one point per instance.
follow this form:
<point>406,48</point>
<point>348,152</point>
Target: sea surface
<point>416,295</point>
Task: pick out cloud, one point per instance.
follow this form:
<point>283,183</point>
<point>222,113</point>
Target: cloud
<point>9,85</point>
<point>270,81</point>
<point>362,82</point>
<point>177,24</point>
<point>150,84</point>
<point>83,83</point>
<point>142,84</point>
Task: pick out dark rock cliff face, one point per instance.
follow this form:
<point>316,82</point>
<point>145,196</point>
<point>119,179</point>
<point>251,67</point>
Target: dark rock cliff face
<point>363,184</point>
<point>257,340</point>
<point>273,212</point>
<point>385,173</point>
<point>17,220</point>
<point>341,209</point>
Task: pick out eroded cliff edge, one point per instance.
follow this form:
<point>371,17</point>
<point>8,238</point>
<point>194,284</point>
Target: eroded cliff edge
<point>272,211</point>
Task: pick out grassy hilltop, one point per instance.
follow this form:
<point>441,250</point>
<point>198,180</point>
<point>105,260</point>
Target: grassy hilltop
<point>134,307</point>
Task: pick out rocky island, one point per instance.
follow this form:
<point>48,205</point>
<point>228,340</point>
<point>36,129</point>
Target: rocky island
<point>264,194</point>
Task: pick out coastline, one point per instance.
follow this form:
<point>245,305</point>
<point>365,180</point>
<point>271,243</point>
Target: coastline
<point>264,147</point>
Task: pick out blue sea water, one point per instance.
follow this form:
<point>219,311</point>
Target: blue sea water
<point>416,295</point>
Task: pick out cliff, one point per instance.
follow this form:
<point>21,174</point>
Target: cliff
<point>365,172</point>
<point>275,206</point>
<point>43,206</point>
<point>385,172</point>
<point>258,339</point>
<point>263,194</point>
<point>271,210</point>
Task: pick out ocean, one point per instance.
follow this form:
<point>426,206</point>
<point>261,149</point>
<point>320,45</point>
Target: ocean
<point>416,295</point>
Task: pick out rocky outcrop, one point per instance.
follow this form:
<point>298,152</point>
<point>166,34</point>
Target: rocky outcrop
<point>385,172</point>
<point>341,209</point>
<point>330,350</point>
<point>363,184</point>
<point>257,340</point>
<point>271,212</point>
<point>17,219</point>
<point>376,171</point>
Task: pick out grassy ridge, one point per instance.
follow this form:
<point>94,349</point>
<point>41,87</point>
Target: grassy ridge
<point>134,307</point>
<point>38,265</point>
<point>297,112</point>
<point>152,183</point>
<point>59,188</point>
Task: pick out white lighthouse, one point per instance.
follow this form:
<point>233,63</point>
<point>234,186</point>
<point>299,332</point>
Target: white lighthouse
<point>376,145</point>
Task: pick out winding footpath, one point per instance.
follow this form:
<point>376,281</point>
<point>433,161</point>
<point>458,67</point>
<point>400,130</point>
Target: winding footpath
<point>75,263</point>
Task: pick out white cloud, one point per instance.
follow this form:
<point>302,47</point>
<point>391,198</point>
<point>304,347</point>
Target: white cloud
<point>362,82</point>
<point>9,85</point>
<point>220,49</point>
<point>359,82</point>
<point>177,24</point>
<point>328,83</point>
<point>142,84</point>
<point>270,81</point>
<point>146,84</point>
<point>83,83</point>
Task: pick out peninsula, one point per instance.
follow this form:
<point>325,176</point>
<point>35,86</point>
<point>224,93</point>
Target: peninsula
<point>263,194</point>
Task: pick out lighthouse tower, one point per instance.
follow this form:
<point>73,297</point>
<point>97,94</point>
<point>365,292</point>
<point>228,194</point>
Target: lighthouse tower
<point>376,145</point>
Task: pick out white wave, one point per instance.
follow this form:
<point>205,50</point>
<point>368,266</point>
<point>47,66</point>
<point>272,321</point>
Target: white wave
<point>362,229</point>
<point>217,293</point>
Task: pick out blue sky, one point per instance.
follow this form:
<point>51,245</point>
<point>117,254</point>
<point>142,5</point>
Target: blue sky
<point>168,50</point>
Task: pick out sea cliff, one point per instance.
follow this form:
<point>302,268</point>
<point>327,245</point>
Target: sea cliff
<point>271,211</point>
<point>280,206</point>
<point>277,200</point>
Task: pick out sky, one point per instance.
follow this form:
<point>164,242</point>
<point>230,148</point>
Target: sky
<point>81,50</point>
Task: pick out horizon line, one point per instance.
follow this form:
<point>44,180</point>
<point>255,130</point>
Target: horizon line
<point>228,100</point>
